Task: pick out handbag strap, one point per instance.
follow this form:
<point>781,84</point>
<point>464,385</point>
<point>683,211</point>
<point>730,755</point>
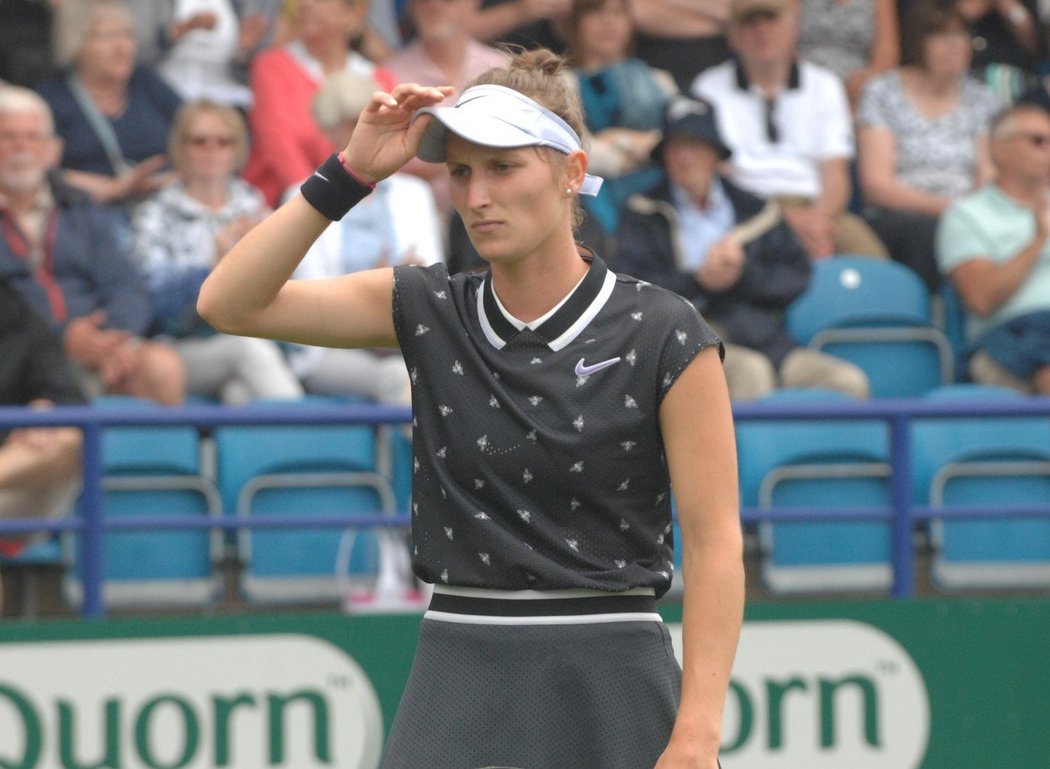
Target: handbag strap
<point>99,124</point>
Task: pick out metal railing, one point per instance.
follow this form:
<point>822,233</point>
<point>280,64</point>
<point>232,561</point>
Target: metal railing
<point>898,414</point>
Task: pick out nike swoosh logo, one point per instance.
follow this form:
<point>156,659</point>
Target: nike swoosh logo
<point>583,370</point>
<point>320,175</point>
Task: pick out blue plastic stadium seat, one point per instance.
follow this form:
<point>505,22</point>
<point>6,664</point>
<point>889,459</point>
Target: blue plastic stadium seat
<point>953,323</point>
<point>308,470</point>
<point>876,314</point>
<point>152,471</point>
<point>985,460</point>
<point>820,464</point>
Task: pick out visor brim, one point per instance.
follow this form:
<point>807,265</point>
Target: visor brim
<point>476,127</point>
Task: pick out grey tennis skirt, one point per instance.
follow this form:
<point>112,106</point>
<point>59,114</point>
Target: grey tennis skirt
<point>575,681</point>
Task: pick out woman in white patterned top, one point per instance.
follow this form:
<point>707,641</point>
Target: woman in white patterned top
<point>555,403</point>
<point>182,232</point>
<point>922,137</point>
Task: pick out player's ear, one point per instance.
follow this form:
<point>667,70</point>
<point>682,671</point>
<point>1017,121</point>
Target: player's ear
<point>575,170</point>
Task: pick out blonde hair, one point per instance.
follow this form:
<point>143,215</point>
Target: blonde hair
<point>343,96</point>
<point>188,114</point>
<point>543,76</point>
<point>73,21</point>
<point>16,100</point>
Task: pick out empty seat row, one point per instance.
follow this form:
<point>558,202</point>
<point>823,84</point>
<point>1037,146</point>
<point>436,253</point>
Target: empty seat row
<point>246,472</point>
<point>1001,462</point>
<point>251,473</point>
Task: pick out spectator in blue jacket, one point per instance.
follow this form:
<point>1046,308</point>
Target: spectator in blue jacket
<point>60,251</point>
<point>731,254</point>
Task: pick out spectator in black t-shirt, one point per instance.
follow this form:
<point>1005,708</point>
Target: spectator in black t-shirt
<point>39,466</point>
<point>25,45</point>
<point>1007,43</point>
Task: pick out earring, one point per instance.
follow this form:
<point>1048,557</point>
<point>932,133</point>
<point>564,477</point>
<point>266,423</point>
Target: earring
<point>569,191</point>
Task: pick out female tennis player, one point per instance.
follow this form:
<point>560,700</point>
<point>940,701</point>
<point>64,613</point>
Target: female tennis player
<point>556,406</point>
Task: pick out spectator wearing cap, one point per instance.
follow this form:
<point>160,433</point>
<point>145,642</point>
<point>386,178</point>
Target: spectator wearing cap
<point>731,254</point>
<point>788,123</point>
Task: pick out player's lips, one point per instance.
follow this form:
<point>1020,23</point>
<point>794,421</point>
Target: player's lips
<point>485,225</point>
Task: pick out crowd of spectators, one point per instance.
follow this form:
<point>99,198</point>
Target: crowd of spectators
<point>178,123</point>
<point>740,141</point>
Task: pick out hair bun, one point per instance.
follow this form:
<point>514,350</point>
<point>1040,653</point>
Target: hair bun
<point>539,60</point>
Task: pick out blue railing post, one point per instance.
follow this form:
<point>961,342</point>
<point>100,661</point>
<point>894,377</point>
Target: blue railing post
<point>91,535</point>
<point>900,498</point>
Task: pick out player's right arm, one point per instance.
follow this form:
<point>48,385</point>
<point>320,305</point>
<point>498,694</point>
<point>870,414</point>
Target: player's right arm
<point>249,291</point>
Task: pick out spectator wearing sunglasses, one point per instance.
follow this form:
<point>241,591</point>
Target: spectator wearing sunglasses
<point>182,232</point>
<point>788,124</point>
<point>994,246</point>
<point>922,136</point>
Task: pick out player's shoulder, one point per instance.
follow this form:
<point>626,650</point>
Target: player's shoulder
<point>650,298</point>
<point>430,284</point>
<point>417,276</point>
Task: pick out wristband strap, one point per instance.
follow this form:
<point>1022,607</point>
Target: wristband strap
<point>333,191</point>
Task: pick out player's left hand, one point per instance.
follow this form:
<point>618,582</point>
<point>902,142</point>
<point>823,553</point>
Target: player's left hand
<point>682,753</point>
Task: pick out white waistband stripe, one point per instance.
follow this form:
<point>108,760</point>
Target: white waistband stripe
<point>527,595</point>
<point>572,619</point>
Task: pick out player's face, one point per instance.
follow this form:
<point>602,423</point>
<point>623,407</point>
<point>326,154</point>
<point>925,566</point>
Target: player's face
<point>513,201</point>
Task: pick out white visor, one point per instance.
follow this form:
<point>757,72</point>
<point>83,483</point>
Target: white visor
<point>496,116</point>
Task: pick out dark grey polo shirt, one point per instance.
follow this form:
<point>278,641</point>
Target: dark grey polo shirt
<point>538,458</point>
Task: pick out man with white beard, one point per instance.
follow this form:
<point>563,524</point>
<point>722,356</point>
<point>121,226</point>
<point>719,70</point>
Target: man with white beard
<point>59,251</point>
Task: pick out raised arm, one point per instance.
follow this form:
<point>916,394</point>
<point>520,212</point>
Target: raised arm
<point>701,453</point>
<point>249,291</point>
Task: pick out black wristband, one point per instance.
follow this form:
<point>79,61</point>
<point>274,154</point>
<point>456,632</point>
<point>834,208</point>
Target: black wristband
<point>332,190</point>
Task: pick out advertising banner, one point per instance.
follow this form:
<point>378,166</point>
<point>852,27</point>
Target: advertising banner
<point>952,684</point>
